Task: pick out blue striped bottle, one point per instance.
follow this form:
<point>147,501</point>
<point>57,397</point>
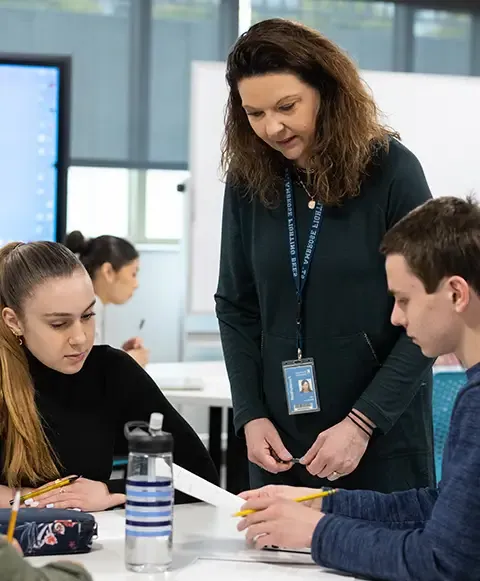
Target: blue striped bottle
<point>149,503</point>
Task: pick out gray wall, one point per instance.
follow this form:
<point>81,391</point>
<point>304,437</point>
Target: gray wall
<point>158,300</point>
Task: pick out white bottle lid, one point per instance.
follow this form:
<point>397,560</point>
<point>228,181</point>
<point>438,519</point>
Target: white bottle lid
<point>156,422</point>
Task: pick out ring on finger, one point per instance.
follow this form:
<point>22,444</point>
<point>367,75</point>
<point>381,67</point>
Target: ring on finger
<point>334,475</point>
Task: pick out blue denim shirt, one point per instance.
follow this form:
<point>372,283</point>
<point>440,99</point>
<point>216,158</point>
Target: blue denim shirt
<point>431,534</point>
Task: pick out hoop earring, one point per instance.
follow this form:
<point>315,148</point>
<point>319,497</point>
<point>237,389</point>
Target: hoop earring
<point>20,340</point>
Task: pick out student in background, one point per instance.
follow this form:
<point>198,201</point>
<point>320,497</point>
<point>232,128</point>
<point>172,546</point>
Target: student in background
<point>14,568</point>
<point>310,165</point>
<point>422,534</point>
<point>112,264</point>
<point>63,401</point>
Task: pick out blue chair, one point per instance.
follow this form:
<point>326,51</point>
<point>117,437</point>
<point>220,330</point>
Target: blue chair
<point>446,384</point>
<point>120,463</point>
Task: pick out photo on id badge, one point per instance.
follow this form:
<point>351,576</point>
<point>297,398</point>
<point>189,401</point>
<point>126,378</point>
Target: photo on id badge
<point>300,386</point>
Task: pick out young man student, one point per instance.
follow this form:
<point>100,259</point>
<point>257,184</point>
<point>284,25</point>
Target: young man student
<point>14,568</point>
<point>431,534</point>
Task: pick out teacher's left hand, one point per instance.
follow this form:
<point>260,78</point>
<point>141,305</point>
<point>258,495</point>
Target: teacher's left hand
<point>87,495</point>
<point>337,451</point>
<point>283,523</point>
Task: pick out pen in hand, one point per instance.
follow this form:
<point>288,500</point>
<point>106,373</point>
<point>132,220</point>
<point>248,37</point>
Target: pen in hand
<point>319,494</point>
<point>48,488</point>
<point>13,516</point>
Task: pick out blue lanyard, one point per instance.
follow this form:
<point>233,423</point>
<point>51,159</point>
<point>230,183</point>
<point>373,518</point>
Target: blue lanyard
<point>300,275</point>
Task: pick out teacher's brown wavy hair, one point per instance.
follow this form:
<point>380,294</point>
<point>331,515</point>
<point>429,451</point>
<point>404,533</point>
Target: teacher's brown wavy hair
<point>348,129</point>
<point>28,456</point>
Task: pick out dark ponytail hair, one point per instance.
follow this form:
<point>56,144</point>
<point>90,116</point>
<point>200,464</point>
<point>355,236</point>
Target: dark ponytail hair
<point>95,252</point>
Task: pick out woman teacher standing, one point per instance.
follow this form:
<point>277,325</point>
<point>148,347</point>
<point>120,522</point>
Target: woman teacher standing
<point>314,182</point>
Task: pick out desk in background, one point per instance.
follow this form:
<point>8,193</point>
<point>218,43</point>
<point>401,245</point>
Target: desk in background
<point>199,531</point>
<point>179,382</point>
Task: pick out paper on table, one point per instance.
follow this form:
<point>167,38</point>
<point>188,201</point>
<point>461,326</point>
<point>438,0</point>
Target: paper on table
<point>259,556</point>
<point>197,487</point>
<point>239,571</point>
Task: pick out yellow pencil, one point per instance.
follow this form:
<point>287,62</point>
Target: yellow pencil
<point>13,517</point>
<point>60,483</point>
<point>320,494</point>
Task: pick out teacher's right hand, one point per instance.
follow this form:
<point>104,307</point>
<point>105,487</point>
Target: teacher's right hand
<point>262,438</point>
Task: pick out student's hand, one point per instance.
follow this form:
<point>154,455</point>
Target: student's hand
<point>262,437</point>
<point>133,343</point>
<point>337,451</point>
<point>87,495</point>
<point>282,523</point>
<point>14,544</point>
<point>141,355</point>
<point>17,547</point>
<point>279,492</point>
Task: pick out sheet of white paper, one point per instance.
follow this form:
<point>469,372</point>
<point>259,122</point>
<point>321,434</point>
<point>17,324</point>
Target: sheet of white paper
<point>240,571</point>
<point>197,487</point>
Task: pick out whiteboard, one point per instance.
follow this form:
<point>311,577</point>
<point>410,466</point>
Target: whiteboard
<point>437,116</point>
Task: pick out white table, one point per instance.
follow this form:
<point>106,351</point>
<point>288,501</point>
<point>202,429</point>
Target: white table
<point>174,379</point>
<point>180,382</point>
<point>199,531</point>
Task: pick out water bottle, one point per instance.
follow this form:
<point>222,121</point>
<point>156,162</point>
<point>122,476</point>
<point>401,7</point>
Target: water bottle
<point>149,491</point>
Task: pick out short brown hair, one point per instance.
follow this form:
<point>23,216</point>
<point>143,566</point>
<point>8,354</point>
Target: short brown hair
<point>438,239</point>
<point>348,130</point>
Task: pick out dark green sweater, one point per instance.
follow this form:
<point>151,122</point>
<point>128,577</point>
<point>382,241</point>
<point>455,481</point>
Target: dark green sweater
<point>14,568</point>
<point>361,359</point>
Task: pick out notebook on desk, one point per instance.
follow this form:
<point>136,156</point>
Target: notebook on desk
<point>214,569</point>
<point>180,383</point>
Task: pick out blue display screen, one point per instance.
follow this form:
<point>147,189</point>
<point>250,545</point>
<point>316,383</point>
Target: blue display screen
<point>29,118</point>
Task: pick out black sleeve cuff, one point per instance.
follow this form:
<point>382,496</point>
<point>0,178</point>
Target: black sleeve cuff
<point>116,486</point>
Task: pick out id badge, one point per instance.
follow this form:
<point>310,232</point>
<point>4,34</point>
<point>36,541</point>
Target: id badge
<point>301,386</point>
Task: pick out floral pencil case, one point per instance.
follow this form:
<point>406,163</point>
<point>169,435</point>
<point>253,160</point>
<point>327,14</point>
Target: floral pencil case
<point>45,531</point>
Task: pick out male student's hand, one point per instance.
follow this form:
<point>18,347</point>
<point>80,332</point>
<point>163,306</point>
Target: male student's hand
<point>265,447</point>
<point>282,523</point>
<point>283,492</point>
<point>87,495</point>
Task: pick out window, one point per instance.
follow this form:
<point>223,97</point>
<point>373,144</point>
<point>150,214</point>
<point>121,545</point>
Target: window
<point>96,34</point>
<point>442,42</point>
<point>182,31</point>
<point>164,205</point>
<point>363,29</point>
<point>98,201</point>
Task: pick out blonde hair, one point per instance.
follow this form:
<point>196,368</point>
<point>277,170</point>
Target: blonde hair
<point>28,455</point>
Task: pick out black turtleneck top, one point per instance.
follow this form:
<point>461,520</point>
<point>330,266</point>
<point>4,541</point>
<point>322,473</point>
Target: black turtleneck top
<point>84,416</point>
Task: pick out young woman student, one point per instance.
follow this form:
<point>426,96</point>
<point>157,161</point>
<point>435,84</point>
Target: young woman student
<point>113,265</point>
<point>64,401</point>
